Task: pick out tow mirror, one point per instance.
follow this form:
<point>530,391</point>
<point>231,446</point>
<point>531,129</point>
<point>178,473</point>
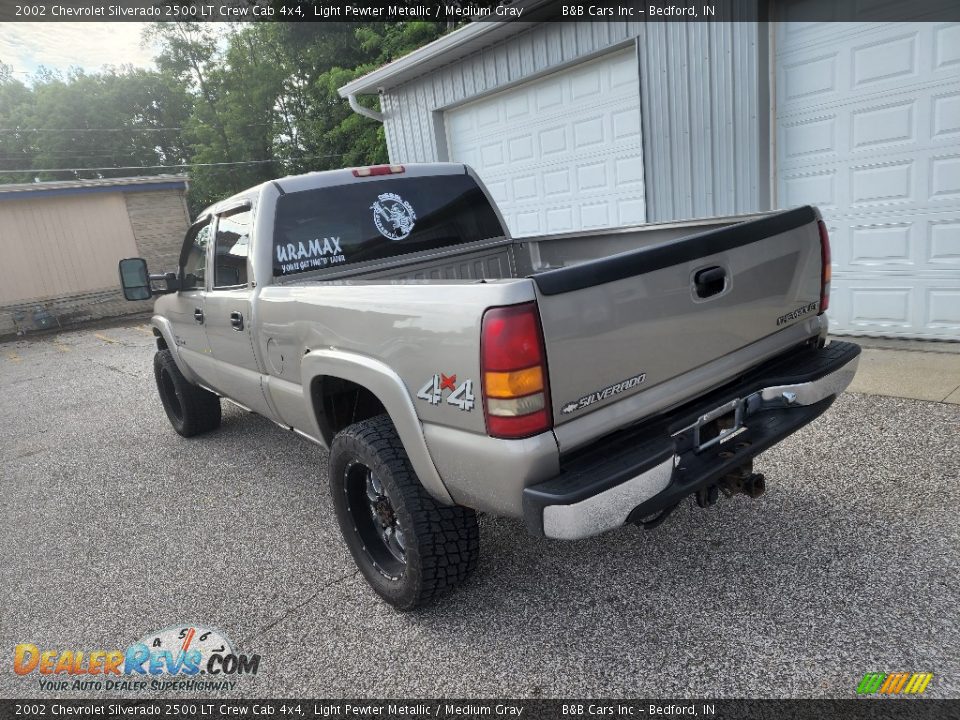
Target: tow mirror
<point>135,279</point>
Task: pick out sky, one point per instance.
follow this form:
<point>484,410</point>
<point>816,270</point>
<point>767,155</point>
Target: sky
<point>89,45</point>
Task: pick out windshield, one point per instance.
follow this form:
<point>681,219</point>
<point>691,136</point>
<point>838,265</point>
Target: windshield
<point>346,224</point>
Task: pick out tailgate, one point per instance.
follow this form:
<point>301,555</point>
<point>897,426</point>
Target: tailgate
<point>616,326</point>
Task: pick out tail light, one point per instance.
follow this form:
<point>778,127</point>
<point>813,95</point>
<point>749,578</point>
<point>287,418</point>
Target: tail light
<point>825,271</point>
<point>378,170</point>
<point>513,362</point>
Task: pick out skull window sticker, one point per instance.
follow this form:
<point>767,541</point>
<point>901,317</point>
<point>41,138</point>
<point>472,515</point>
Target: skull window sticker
<point>393,216</point>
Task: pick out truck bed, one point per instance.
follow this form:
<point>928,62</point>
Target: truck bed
<point>504,259</point>
<point>621,309</point>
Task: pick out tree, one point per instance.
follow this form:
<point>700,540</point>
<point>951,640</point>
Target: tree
<point>15,147</point>
<point>120,118</point>
<point>235,108</point>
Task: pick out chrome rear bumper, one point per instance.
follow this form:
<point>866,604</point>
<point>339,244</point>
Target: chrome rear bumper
<point>642,470</point>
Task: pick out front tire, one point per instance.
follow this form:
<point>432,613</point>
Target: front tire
<point>409,547</point>
<point>191,409</point>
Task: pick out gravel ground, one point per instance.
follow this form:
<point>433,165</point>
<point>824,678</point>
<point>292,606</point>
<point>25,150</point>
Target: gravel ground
<point>111,526</point>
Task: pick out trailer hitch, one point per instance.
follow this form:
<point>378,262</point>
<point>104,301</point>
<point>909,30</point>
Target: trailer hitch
<point>744,481</point>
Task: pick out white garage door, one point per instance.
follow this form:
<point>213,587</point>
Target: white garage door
<point>868,129</point>
<point>560,153</point>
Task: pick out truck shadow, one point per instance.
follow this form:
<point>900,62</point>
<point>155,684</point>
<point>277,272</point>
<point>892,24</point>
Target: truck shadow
<point>745,583</point>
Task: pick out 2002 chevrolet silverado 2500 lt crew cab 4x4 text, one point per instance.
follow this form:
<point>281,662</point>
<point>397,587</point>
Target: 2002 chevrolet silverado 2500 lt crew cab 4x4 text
<point>579,382</point>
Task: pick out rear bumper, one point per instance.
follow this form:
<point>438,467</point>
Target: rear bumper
<point>642,470</point>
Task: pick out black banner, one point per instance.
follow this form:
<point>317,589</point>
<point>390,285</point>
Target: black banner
<point>451,11</point>
<point>209,709</point>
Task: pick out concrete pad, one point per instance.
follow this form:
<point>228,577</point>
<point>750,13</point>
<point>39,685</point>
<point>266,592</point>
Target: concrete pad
<point>909,374</point>
<point>936,346</point>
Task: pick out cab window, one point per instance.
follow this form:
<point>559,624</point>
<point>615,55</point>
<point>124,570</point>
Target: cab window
<point>193,258</point>
<point>233,244</point>
<point>330,227</point>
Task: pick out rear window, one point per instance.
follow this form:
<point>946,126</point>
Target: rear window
<point>373,220</point>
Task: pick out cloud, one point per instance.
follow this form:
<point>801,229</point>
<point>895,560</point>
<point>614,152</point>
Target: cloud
<point>59,46</point>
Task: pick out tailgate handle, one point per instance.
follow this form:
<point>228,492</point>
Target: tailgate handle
<point>710,281</point>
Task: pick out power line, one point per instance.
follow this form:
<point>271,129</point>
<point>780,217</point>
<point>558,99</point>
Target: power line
<point>161,167</point>
<point>66,156</point>
<point>63,155</point>
<point>126,129</point>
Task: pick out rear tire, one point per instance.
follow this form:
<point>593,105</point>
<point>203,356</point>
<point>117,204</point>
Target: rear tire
<point>409,547</point>
<point>191,409</point>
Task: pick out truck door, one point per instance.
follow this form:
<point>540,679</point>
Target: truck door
<point>227,313</point>
<point>186,315</point>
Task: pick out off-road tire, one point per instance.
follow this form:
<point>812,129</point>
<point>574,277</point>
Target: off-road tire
<point>442,542</point>
<point>191,409</point>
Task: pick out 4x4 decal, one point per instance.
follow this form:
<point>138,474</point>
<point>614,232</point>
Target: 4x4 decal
<point>460,396</point>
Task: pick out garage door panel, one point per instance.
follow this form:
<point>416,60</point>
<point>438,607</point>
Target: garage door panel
<point>550,138</point>
<point>946,44</point>
<point>924,119</point>
<point>815,77</point>
<point>946,117</point>
<point>868,129</point>
<point>896,242</point>
<point>578,172</point>
<point>843,62</point>
<point>943,309</point>
<point>944,243</point>
<point>903,182</point>
<point>561,153</point>
<point>884,59</point>
<point>585,214</point>
<point>586,183</point>
<point>905,306</point>
<point>945,177</point>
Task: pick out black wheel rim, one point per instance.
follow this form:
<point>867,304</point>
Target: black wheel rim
<point>375,520</point>
<point>168,394</point>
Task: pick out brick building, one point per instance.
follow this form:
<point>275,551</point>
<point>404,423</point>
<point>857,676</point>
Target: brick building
<point>60,243</point>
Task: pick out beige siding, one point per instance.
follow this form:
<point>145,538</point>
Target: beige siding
<point>60,246</point>
<point>159,221</point>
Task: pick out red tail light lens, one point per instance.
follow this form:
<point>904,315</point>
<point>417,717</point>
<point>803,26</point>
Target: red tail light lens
<point>513,362</point>
<point>825,272</point>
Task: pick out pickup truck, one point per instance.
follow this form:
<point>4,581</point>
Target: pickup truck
<point>578,382</point>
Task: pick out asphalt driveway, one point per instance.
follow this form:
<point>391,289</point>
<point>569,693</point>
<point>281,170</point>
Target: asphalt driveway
<point>111,526</point>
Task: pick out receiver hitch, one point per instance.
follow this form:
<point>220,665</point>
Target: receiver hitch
<point>744,480</point>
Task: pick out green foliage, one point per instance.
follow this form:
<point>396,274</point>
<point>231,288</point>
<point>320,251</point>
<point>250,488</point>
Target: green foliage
<point>239,107</point>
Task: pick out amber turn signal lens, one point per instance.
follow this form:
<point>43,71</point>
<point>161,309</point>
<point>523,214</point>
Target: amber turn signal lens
<point>514,384</point>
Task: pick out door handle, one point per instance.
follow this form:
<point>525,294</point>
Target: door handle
<point>710,281</point>
<point>198,315</point>
<point>236,320</point>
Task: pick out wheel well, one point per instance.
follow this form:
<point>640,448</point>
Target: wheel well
<point>341,403</point>
<point>161,343</point>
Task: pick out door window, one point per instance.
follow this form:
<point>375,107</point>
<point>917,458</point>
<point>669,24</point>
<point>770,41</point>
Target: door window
<point>193,258</point>
<point>233,244</point>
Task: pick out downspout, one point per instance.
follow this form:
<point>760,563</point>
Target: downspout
<point>365,111</point>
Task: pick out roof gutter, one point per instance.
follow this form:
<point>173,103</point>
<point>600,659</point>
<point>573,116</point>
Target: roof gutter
<point>365,111</point>
<point>414,62</point>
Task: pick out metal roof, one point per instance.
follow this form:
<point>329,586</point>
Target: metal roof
<point>75,187</point>
<point>478,34</point>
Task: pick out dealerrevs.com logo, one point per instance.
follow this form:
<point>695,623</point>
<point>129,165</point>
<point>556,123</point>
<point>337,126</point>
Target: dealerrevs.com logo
<point>181,657</point>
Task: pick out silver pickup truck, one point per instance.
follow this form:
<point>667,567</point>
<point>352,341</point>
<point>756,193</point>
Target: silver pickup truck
<point>579,382</point>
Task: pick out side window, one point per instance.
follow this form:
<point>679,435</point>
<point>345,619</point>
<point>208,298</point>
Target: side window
<point>193,259</point>
<point>233,242</point>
